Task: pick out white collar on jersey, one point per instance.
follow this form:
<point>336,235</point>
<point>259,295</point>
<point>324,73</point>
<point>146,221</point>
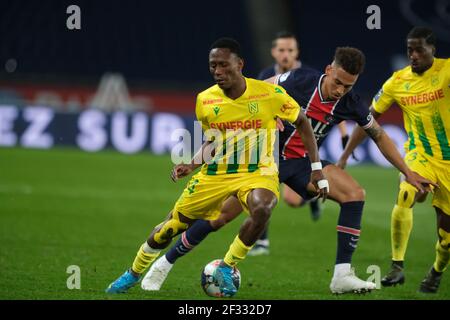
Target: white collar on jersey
<point>319,89</point>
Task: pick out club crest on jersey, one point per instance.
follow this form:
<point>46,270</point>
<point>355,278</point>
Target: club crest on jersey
<point>407,86</point>
<point>434,80</point>
<point>278,90</point>
<point>216,110</point>
<point>253,107</point>
<point>329,118</point>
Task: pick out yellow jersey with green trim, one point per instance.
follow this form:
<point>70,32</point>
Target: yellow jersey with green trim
<point>243,130</point>
<point>425,102</point>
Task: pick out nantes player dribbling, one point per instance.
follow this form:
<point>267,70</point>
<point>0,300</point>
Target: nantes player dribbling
<point>251,106</point>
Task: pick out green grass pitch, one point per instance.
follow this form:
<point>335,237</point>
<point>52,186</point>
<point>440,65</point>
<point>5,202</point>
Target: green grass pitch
<point>64,207</point>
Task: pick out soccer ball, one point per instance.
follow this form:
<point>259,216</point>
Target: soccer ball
<point>209,283</point>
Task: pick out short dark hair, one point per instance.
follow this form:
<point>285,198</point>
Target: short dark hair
<point>283,35</point>
<point>350,59</point>
<point>422,32</point>
<point>227,43</point>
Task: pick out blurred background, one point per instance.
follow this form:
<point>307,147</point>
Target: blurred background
<point>138,65</point>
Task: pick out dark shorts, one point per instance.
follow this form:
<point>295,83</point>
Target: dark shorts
<point>296,173</point>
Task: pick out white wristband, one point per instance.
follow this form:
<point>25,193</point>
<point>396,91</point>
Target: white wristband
<point>323,184</point>
<point>316,166</point>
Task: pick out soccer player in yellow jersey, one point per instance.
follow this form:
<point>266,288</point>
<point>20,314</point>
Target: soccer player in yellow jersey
<point>422,91</point>
<point>238,116</point>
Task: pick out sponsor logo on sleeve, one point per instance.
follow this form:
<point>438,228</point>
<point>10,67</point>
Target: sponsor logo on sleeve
<point>378,95</point>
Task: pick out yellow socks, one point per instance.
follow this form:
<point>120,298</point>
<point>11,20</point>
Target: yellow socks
<point>442,251</point>
<point>144,257</point>
<point>237,252</point>
<point>401,225</point>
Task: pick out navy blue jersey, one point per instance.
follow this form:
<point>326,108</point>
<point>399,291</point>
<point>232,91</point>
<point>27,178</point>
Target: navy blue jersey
<point>267,73</point>
<point>271,71</point>
<point>303,85</point>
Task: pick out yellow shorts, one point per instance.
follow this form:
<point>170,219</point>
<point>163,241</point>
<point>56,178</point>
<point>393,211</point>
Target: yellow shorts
<point>204,194</point>
<point>435,170</point>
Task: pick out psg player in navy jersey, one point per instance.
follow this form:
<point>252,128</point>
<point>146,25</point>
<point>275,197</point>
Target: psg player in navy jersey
<point>326,99</point>
<point>285,51</point>
<point>325,104</point>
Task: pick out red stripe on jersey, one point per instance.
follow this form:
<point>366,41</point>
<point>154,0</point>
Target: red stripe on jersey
<point>294,147</point>
<point>318,109</point>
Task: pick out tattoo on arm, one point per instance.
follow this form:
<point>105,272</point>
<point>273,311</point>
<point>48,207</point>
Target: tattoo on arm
<point>375,132</point>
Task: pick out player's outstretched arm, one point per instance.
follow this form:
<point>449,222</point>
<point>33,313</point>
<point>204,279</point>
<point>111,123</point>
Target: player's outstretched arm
<point>358,136</point>
<point>307,134</point>
<point>181,170</point>
<point>390,152</point>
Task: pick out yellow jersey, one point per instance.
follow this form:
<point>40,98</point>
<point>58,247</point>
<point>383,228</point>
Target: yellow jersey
<point>425,102</point>
<point>243,130</point>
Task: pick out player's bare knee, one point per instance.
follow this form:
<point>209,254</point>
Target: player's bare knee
<point>227,219</point>
<point>218,223</point>
<point>293,202</point>
<point>355,194</point>
<point>361,194</point>
<point>227,216</point>
<point>261,214</point>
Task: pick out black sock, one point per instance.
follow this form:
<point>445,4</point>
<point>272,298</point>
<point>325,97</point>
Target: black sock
<point>398,263</point>
<point>435,273</point>
<point>348,230</point>
<point>189,239</point>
